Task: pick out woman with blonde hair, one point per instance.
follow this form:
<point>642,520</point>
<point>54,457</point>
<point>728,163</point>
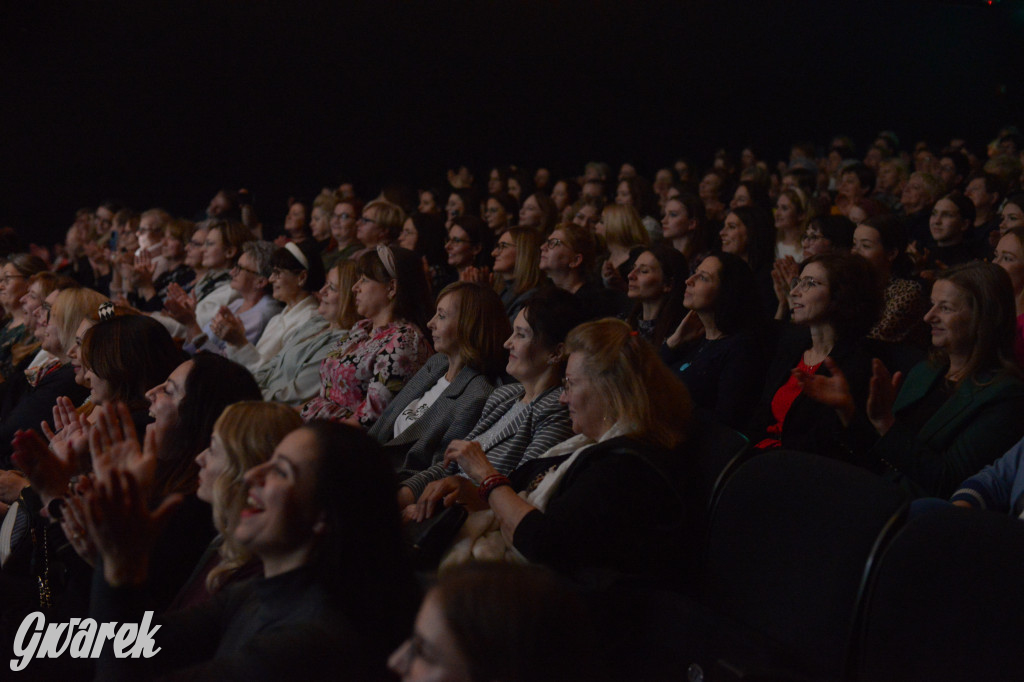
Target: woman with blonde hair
<point>293,375</point>
<point>30,402</point>
<point>606,503</point>
<point>517,267</point>
<point>244,436</point>
<point>625,237</point>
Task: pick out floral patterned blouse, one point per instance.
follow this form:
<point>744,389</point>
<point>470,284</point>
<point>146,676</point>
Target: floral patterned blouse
<point>366,370</point>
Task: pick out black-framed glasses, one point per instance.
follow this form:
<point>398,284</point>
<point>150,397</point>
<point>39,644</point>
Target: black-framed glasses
<point>553,242</point>
<point>457,240</point>
<point>239,268</point>
<point>363,220</point>
<point>501,246</point>
<point>46,309</point>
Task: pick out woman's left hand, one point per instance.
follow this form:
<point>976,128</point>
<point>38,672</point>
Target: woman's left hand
<point>471,457</point>
<point>73,523</point>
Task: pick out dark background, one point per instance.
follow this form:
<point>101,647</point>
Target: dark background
<point>154,103</point>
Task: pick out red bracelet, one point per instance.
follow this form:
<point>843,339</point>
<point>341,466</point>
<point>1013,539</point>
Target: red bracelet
<point>490,483</point>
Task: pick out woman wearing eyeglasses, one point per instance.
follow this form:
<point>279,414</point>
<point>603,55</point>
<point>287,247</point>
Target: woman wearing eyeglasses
<point>468,237</point>
<point>251,311</point>
<point>17,344</point>
<point>836,299</point>
<point>380,223</point>
<point>516,267</point>
<point>567,258</point>
<point>296,274</point>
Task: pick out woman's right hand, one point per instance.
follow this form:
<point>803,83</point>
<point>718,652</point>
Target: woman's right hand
<point>70,441</point>
<point>833,391</point>
<point>689,329</point>
<point>882,392</point>
<point>48,473</point>
<point>179,305</point>
<point>448,491</point>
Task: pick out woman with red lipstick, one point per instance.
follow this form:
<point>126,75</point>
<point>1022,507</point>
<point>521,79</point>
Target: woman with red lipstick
<point>955,412</point>
<point>323,604</point>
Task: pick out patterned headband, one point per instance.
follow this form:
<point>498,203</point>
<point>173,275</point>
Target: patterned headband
<point>387,257</point>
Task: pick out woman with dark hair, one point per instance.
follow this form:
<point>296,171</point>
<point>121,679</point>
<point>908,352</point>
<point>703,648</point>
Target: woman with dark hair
<point>461,202</point>
<point>468,237</point>
<point>361,375</point>
<point>517,267</point>
<point>123,358</point>
<point>749,193</point>
<point>602,504</point>
<point>563,195</point>
<point>443,401</point>
<point>296,275</point>
<point>17,344</point>
<point>148,293</point>
<point>521,420</point>
<point>501,211</point>
<point>748,232</point>
<point>296,225</point>
<point>249,313</point>
<point>882,241</point>
<point>792,212</point>
<point>299,520</point>
<point>686,227</point>
<point>656,287</point>
<point>836,299</point>
<point>424,234</point>
<point>956,411</point>
<point>635,191</point>
<point>715,350</point>
<point>538,211</point>
<point>491,621</point>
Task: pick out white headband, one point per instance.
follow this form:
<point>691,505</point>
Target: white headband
<point>293,249</point>
<point>387,257</point>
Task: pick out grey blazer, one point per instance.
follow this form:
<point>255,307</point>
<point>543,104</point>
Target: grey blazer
<point>452,416</point>
<point>545,423</point>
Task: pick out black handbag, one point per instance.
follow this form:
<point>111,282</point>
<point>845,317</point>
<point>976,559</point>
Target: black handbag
<point>429,538</point>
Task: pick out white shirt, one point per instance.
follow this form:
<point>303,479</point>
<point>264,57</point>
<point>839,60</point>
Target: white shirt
<point>272,340</point>
<point>417,408</point>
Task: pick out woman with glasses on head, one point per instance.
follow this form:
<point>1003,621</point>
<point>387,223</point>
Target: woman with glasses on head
<point>296,274</point>
<point>361,375</point>
<point>250,312</point>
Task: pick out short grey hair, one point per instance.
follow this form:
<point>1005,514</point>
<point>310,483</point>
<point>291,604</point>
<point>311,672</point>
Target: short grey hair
<point>261,252</point>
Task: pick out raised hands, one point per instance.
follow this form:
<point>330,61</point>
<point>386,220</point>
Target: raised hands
<point>690,329</point>
<point>784,272</point>
<point>882,393</point>
<point>143,269</point>
<point>48,473</point>
<point>481,275</point>
<point>115,448</point>
<point>71,440</point>
<point>179,305</point>
<point>228,327</point>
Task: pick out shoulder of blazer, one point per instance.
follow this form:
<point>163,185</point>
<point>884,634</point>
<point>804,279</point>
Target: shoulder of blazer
<point>549,400</point>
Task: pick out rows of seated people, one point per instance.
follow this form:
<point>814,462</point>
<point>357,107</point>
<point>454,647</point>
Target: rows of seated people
<point>256,433</point>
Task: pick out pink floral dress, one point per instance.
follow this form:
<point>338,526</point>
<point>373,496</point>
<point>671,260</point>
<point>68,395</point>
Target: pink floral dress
<point>366,370</point>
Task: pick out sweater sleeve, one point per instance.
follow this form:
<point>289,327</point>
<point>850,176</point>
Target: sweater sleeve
<point>992,487</point>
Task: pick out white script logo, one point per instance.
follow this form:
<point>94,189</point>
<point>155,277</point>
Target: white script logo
<point>81,638</point>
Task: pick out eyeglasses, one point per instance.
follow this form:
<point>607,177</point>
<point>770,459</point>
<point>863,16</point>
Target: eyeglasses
<point>804,283</point>
<point>364,220</point>
<point>567,385</point>
<point>238,268</point>
<point>343,216</point>
<point>808,237</point>
<point>501,246</point>
<point>277,272</point>
<point>552,243</point>
<point>46,309</point>
<point>457,240</point>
